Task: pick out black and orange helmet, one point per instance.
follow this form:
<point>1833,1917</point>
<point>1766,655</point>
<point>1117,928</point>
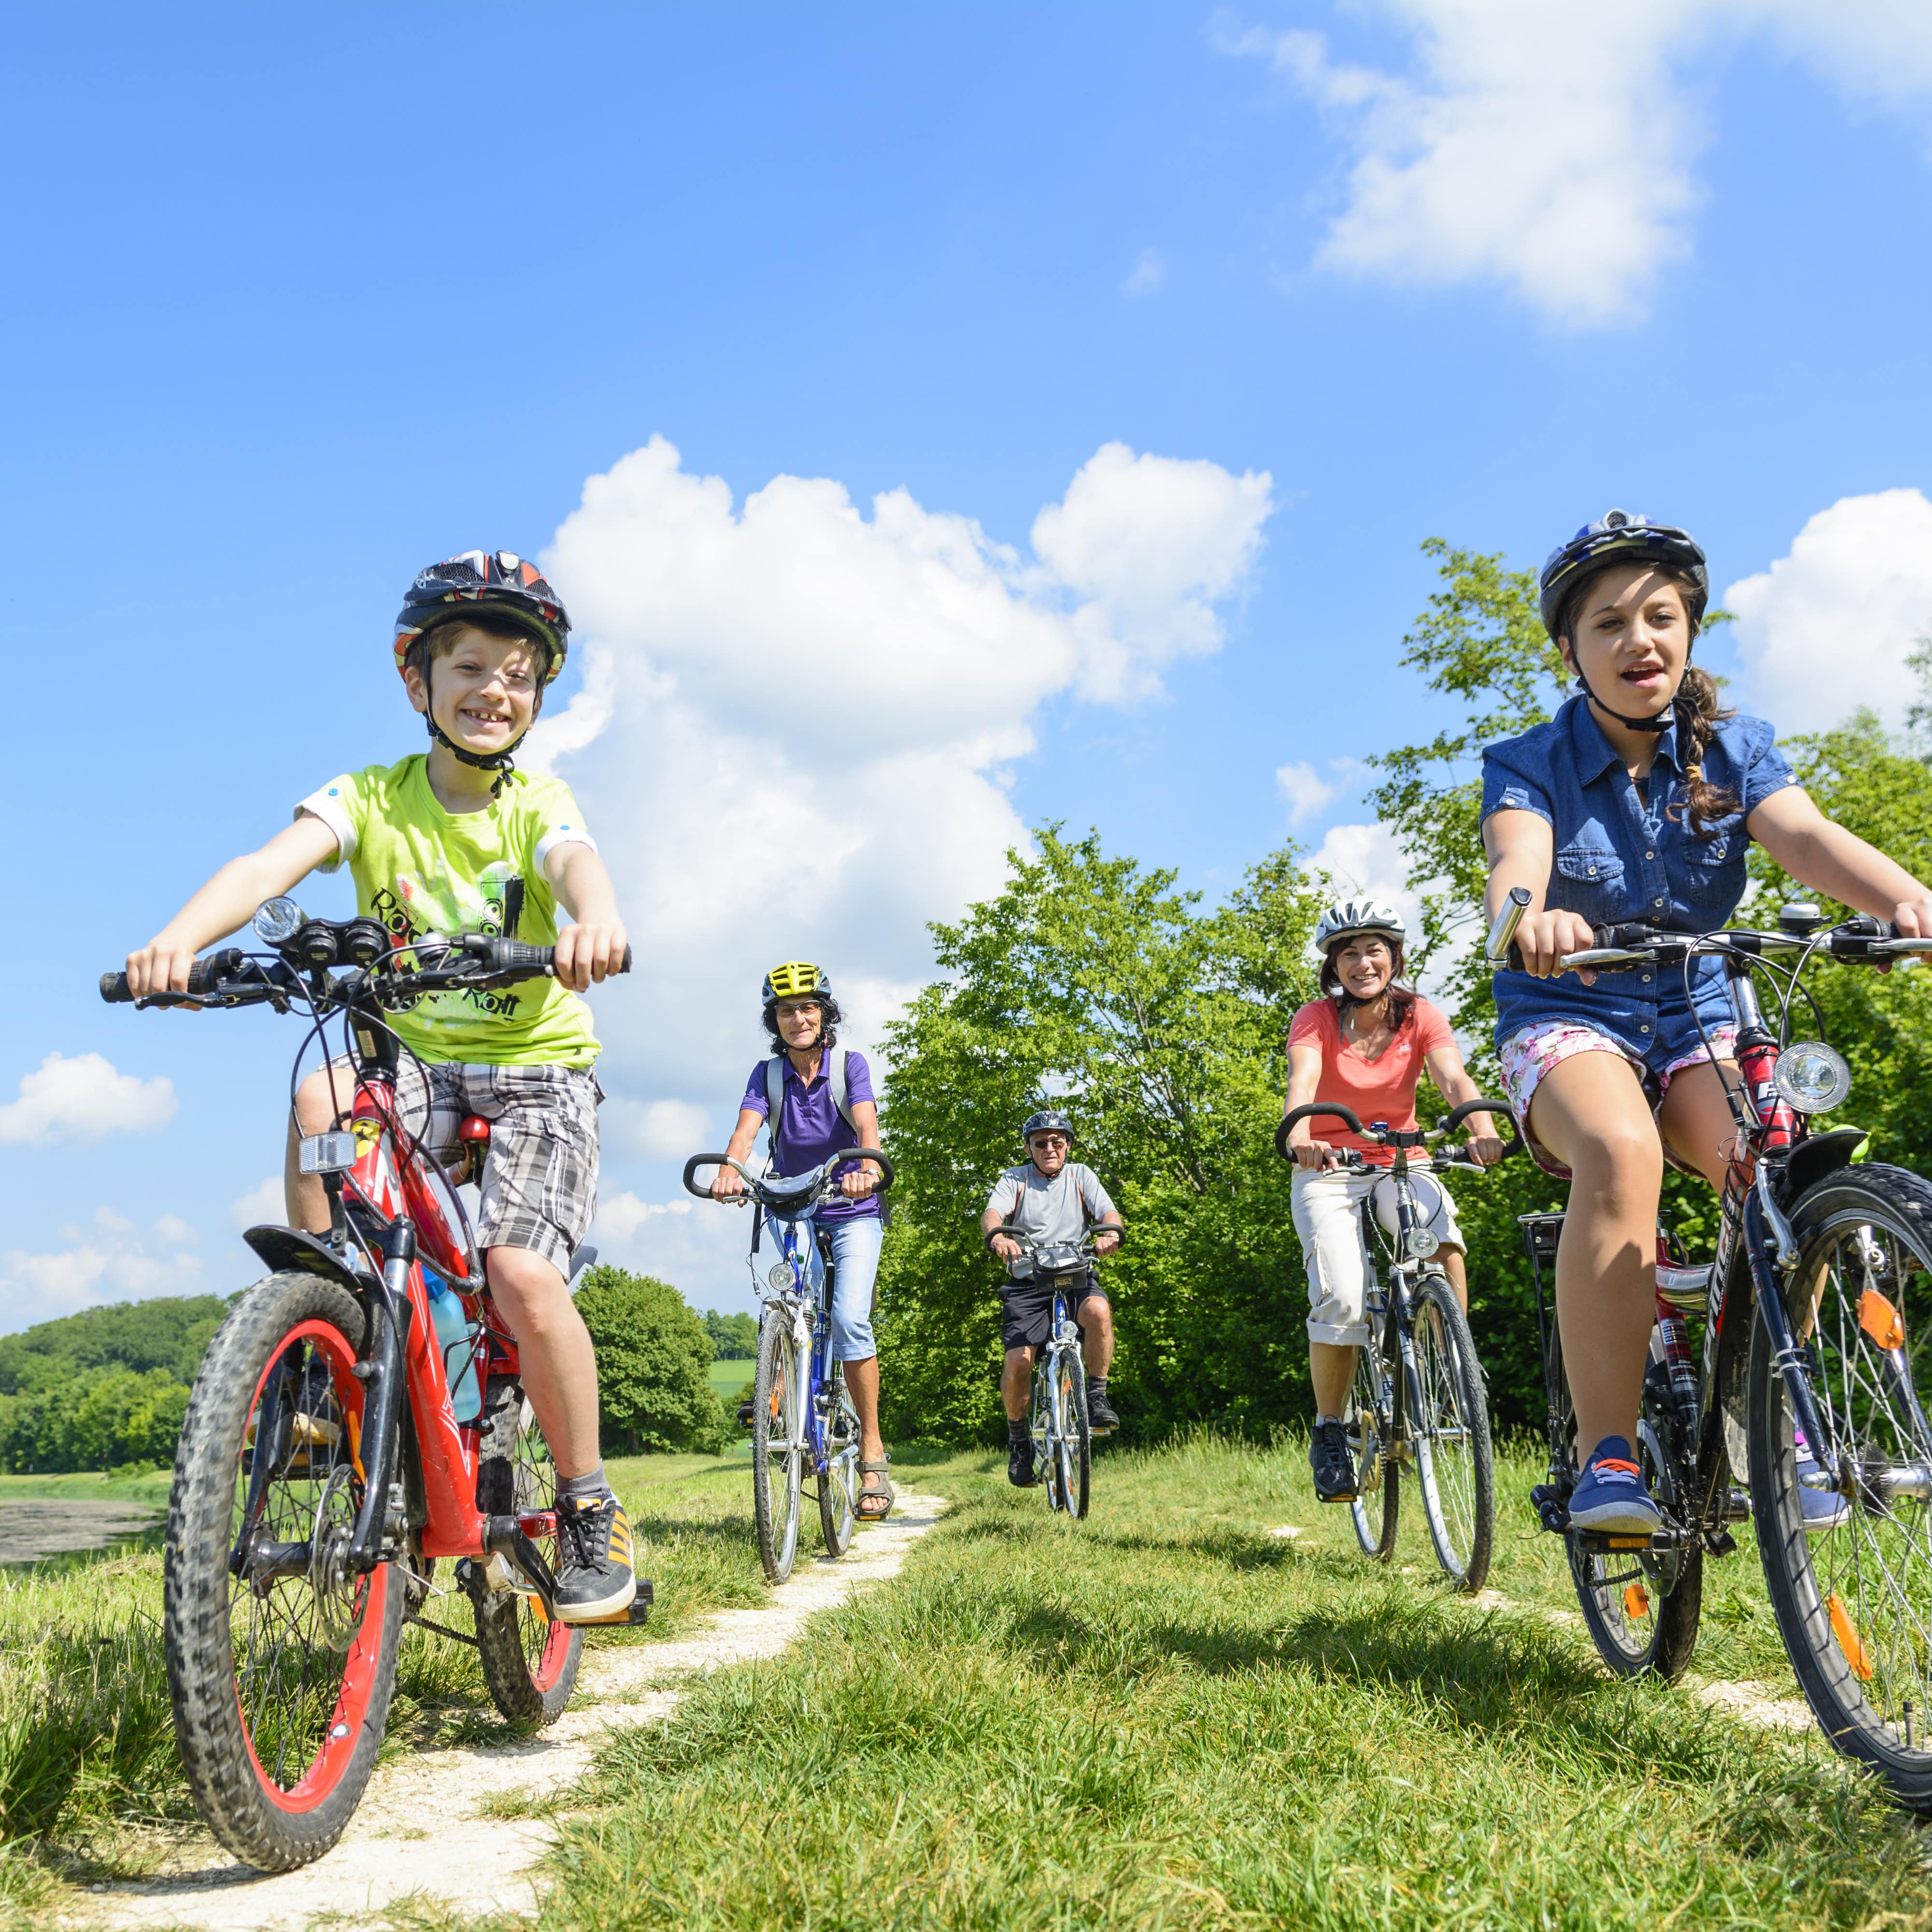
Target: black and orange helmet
<point>499,582</point>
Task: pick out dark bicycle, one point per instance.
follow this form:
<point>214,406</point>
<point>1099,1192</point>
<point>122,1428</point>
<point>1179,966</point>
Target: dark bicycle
<point>1061,1428</point>
<point>801,1412</point>
<point>1432,1418</point>
<point>1816,1311</point>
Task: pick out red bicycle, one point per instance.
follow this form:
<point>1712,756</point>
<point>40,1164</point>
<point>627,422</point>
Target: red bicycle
<point>323,1470</point>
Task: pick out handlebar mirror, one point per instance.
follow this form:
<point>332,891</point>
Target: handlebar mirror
<point>277,921</point>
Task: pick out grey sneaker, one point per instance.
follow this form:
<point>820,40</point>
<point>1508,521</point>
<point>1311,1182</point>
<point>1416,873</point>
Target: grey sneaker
<point>595,1578</point>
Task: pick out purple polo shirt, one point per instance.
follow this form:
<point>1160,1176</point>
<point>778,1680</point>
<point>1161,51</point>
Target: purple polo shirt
<point>810,1127</point>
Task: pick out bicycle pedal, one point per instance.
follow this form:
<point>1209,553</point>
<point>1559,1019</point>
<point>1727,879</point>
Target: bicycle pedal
<point>639,1612</point>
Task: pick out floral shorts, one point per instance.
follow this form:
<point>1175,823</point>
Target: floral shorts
<point>1526,1056</point>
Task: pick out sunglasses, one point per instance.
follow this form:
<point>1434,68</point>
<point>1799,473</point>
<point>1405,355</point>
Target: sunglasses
<point>1048,1141</point>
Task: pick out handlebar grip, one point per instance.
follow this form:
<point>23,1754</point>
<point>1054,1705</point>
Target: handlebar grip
<point>873,1154</point>
<point>114,988</point>
<point>1346,1115</point>
<point>203,977</point>
<point>691,1166</point>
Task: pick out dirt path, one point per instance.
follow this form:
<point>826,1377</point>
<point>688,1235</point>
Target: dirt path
<point>418,1830</point>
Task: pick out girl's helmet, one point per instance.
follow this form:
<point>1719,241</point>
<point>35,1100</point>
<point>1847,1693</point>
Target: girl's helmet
<point>1347,917</point>
<point>1048,1121</point>
<point>796,980</point>
<point>1620,536</point>
<point>502,583</point>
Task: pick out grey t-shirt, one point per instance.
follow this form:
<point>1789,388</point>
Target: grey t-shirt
<point>1059,1210</point>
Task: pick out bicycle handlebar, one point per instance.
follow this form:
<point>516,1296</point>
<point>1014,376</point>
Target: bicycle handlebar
<point>793,1186</point>
<point>1036,1244</point>
<point>1635,944</point>
<point>1378,1136</point>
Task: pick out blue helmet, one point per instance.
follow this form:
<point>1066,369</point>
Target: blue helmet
<point>1620,536</point>
<point>1048,1121</point>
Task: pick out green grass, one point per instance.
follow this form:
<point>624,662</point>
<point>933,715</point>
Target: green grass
<point>90,1486</point>
<point>731,1378</point>
<point>1168,1717</point>
<point>90,1783</point>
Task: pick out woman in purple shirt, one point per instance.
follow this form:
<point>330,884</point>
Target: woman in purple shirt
<point>823,1107</point>
<point>1636,802</point>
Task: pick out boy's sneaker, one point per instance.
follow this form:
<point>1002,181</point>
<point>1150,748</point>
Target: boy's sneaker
<point>1334,1468</point>
<point>1613,1495</point>
<point>1100,1417</point>
<point>594,1577</point>
<point>1019,1463</point>
<point>1824,1509</point>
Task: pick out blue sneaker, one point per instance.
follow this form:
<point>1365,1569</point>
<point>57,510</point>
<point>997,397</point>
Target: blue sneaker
<point>1824,1509</point>
<point>1613,1495</point>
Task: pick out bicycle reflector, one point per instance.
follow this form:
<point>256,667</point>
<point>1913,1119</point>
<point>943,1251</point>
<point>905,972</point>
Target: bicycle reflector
<point>328,1154</point>
<point>1812,1077</point>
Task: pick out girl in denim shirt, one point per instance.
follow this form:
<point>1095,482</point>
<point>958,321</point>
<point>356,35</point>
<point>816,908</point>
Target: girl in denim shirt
<point>1636,802</point>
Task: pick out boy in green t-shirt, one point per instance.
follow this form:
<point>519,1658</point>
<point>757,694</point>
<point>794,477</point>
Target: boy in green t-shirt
<point>434,844</point>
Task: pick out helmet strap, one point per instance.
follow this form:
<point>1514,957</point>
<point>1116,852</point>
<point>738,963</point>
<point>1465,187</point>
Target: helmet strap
<point>501,762</point>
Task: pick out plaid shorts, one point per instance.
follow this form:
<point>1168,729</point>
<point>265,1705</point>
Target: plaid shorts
<point>540,1180</point>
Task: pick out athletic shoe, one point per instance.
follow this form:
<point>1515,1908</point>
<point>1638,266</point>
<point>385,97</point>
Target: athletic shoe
<point>1824,1509</point>
<point>1613,1495</point>
<point>594,1578</point>
<point>1334,1468</point>
<point>1019,1463</point>
<point>1100,1417</point>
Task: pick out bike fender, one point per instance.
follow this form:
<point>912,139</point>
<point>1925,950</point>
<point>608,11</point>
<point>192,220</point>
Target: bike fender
<point>284,1249</point>
<point>1810,1160</point>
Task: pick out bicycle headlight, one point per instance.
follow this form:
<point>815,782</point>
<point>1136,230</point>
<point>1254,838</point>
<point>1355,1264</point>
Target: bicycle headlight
<point>1422,1244</point>
<point>1812,1077</point>
<point>277,921</point>
<point>780,1276</point>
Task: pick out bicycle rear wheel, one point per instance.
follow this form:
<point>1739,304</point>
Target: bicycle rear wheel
<point>777,1445</point>
<point>1853,1596</point>
<point>1072,1437</point>
<point>838,1487</point>
<point>281,1657</point>
<point>1371,1436</point>
<point>529,1663</point>
<point>1451,1429</point>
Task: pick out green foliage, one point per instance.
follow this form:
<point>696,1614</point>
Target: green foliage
<point>1160,1028</point>
<point>105,1388</point>
<point>653,1362</point>
<point>734,1338</point>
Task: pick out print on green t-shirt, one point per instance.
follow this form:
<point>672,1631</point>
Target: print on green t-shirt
<point>423,871</point>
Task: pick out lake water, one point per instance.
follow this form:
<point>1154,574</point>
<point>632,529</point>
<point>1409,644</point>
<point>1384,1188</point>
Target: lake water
<point>39,1530</point>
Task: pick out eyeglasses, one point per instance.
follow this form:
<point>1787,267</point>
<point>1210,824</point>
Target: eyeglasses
<point>1048,1141</point>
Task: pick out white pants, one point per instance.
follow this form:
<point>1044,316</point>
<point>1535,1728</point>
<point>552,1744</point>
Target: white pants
<point>1326,1218</point>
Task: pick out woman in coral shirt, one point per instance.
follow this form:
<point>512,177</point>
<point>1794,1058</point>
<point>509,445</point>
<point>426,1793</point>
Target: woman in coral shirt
<point>1364,1045</point>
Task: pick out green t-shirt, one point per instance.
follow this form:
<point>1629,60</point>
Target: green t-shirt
<point>422,870</point>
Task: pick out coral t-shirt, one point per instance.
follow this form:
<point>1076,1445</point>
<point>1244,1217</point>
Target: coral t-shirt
<point>1381,1089</point>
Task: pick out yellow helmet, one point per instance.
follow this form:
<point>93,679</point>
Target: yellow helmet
<point>793,980</point>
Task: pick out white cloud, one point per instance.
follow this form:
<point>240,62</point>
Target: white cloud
<point>797,719</point>
<point>262,1206</point>
<point>1148,276</point>
<point>1364,861</point>
<point>109,1258</point>
<point>618,1219</point>
<point>1544,148</point>
<point>1829,626</point>
<point>83,1098</point>
<point>658,1129</point>
<point>1304,789</point>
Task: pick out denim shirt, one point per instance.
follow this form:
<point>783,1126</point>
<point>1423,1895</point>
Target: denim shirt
<point>1622,855</point>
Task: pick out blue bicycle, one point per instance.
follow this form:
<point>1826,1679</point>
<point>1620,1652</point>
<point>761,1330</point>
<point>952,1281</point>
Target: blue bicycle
<point>801,1413</point>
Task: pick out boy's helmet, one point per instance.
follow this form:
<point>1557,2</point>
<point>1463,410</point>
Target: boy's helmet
<point>796,980</point>
<point>1347,917</point>
<point>1048,1121</point>
<point>1620,536</point>
<point>500,583</point>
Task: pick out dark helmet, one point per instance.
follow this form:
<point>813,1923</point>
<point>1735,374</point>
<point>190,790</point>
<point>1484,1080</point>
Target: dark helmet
<point>1048,1121</point>
<point>1618,536</point>
<point>502,583</point>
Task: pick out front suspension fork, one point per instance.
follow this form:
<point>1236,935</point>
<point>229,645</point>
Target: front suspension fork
<point>383,1370</point>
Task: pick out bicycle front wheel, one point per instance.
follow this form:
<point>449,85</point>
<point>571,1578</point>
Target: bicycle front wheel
<point>1852,1586</point>
<point>1450,1428</point>
<point>838,1487</point>
<point>778,1446</point>
<point>529,1663</point>
<point>281,1656</point>
<point>1072,1438</point>
<point>1371,1436</point>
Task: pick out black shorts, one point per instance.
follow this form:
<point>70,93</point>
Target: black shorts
<point>1026,1309</point>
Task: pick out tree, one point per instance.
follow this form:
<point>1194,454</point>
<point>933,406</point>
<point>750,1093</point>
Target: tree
<point>653,1364</point>
<point>734,1338</point>
<point>1160,1028</point>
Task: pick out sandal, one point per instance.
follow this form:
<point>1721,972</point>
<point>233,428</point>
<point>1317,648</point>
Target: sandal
<point>884,1494</point>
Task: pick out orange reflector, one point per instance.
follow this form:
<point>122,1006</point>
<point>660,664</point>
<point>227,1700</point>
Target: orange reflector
<point>1850,1642</point>
<point>1880,1320</point>
<point>1637,1602</point>
<point>355,1444</point>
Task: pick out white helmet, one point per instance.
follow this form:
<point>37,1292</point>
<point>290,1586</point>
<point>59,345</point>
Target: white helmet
<point>1346,917</point>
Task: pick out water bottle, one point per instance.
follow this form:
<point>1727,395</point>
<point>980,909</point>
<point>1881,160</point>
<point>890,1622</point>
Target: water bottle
<point>459,1364</point>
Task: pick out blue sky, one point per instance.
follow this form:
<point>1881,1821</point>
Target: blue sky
<point>303,297</point>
